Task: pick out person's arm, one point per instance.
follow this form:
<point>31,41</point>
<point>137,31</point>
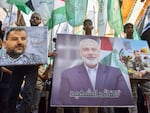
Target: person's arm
<point>5,70</point>
<point>47,72</point>
<point>52,54</point>
<point>40,74</point>
<point>44,76</point>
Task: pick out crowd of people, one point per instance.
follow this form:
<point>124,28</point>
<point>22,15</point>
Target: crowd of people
<point>22,87</point>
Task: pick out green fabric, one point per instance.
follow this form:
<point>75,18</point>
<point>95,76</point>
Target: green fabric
<point>107,60</point>
<point>76,11</point>
<point>25,9</point>
<point>20,5</point>
<point>118,64</point>
<point>114,16</point>
<point>102,17</point>
<point>17,2</point>
<point>136,35</point>
<point>58,16</point>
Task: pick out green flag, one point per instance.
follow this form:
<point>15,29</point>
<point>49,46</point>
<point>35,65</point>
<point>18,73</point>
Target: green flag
<point>114,16</point>
<point>76,11</point>
<point>20,5</point>
<point>118,64</point>
<point>24,9</point>
<point>58,16</point>
<point>107,59</point>
<point>102,17</point>
<point>17,2</point>
<point>136,35</point>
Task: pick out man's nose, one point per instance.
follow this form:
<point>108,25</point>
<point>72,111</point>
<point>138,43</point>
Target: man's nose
<point>90,52</point>
<point>34,18</point>
<point>19,40</point>
<point>130,29</point>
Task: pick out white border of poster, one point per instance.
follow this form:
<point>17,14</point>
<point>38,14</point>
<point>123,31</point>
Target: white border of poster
<point>37,46</point>
<point>136,69</point>
<point>68,57</point>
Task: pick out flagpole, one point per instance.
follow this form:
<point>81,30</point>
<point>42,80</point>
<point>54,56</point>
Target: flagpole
<point>50,41</point>
<point>11,7</point>
<point>52,36</point>
<point>58,28</point>
<point>5,11</point>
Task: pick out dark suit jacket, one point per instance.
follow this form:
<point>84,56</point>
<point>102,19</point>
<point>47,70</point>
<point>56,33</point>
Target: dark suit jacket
<point>75,80</point>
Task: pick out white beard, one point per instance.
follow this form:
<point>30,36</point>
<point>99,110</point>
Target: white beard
<point>90,61</point>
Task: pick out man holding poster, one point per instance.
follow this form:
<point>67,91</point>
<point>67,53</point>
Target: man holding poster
<point>37,40</point>
<point>91,83</point>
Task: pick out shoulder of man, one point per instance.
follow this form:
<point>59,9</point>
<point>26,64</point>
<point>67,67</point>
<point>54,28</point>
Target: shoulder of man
<point>72,69</point>
<point>107,68</point>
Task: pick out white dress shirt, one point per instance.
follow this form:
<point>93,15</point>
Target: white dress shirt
<point>92,72</point>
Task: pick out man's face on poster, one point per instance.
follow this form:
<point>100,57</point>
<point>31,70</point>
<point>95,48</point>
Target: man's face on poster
<point>16,43</point>
<point>89,52</point>
<point>137,55</point>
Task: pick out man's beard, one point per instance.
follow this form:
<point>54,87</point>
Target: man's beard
<point>14,54</point>
<point>91,62</point>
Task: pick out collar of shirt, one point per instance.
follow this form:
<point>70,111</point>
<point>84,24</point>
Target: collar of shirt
<point>22,59</point>
<point>87,68</point>
<point>12,59</point>
<point>92,72</point>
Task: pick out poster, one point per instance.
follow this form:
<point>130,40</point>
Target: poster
<point>133,57</point>
<point>72,82</point>
<point>24,46</point>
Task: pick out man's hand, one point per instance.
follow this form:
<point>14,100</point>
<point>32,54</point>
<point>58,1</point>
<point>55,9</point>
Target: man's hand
<point>5,70</point>
<point>52,54</point>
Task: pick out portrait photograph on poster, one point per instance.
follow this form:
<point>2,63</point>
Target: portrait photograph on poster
<point>24,46</point>
<point>80,79</point>
<point>135,58</point>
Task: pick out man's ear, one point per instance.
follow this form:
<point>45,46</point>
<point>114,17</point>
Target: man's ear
<point>83,28</point>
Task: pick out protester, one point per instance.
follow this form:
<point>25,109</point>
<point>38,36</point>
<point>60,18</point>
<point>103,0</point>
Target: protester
<point>39,87</point>
<point>20,73</point>
<point>88,27</point>
<point>128,30</point>
<point>5,76</point>
<point>143,108</point>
